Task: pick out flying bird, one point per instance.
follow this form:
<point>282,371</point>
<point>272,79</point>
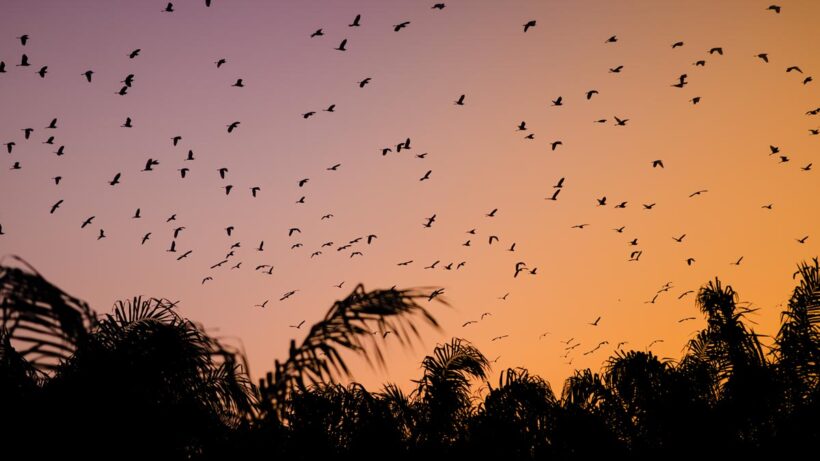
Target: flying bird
<point>529,24</point>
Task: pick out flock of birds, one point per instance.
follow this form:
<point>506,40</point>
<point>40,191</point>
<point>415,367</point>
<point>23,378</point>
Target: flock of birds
<point>356,246</point>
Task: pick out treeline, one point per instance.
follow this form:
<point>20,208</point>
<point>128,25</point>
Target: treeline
<point>143,382</point>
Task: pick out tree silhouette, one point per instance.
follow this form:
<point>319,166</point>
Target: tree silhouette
<point>144,382</point>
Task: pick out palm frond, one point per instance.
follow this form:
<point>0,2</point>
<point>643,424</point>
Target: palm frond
<point>43,322</point>
<point>348,325</point>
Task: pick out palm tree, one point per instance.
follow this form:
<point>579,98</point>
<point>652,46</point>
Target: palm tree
<point>444,393</point>
<point>516,419</point>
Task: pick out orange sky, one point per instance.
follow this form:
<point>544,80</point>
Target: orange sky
<point>478,160</point>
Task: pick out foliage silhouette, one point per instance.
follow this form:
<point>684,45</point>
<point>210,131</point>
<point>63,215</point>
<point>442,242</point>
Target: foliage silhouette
<point>143,381</point>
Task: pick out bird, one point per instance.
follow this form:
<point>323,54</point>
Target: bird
<point>342,46</point>
<point>601,201</point>
<point>334,167</point>
<point>265,303</point>
<point>371,237</point>
<point>595,322</point>
<point>435,293</point>
<point>679,239</point>
<point>522,126</point>
<point>460,100</point>
<point>433,266</point>
<point>355,22</point>
<point>616,70</point>
<point>318,33</point>
<point>438,6</point>
<point>10,146</point>
<point>23,61</point>
<point>292,230</point>
<point>802,240</point>
<point>129,80</point>
<point>519,266</point>
<point>590,93</point>
<point>504,298</point>
<point>220,62</point>
<point>127,123</point>
<point>621,122</point>
<point>774,8</point>
<point>232,127</point>
<point>173,247</point>
<point>430,221</point>
<point>648,206</point>
<point>555,144</point>
<point>364,82</point>
<point>681,81</point>
<point>500,337</point>
<point>88,75</point>
<point>400,26</point>
<point>676,45</point>
<point>426,175</point>
<point>689,261</point>
<point>169,8</point>
<point>240,83</point>
<point>806,168</point>
<point>255,190</point>
<point>87,222</point>
<point>304,181</point>
<point>288,295</point>
<point>134,53</point>
<point>717,49</point>
<point>173,217</point>
<point>682,295</point>
<point>55,206</point>
<point>794,69</point>
<point>697,193</point>
<point>43,71</point>
<point>469,322</point>
<point>492,213</point>
<point>298,325</point>
<point>102,234</point>
<point>330,108</point>
<point>554,195</point>
<point>737,263</point>
<point>695,100</point>
<point>621,205</point>
<point>619,230</point>
<point>579,226</point>
<point>512,247</point>
<point>558,101</point>
<point>529,24</point>
<point>307,115</point>
<point>184,255</point>
<point>116,179</point>
<point>150,164</point>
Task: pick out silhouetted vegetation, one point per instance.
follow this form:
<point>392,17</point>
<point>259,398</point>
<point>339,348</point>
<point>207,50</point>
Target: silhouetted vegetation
<point>144,382</point>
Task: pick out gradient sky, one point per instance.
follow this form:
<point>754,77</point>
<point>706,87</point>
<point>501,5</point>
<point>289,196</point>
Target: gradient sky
<point>478,160</point>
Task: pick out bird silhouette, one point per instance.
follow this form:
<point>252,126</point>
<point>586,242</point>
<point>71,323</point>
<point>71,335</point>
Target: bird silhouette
<point>318,33</point>
<point>233,126</point>
<point>23,61</point>
<point>460,100</point>
<point>88,75</point>
<point>529,24</point>
<point>150,164</point>
<point>554,194</point>
<point>220,62</point>
<point>400,26</point>
<point>356,20</point>
<point>595,322</point>
<point>430,221</point>
<point>364,82</point>
<point>298,325</point>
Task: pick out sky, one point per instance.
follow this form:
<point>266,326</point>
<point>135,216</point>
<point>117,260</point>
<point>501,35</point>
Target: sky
<point>478,159</point>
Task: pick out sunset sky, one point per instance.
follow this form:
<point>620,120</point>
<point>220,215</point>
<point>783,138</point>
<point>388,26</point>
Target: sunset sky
<point>478,158</point>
